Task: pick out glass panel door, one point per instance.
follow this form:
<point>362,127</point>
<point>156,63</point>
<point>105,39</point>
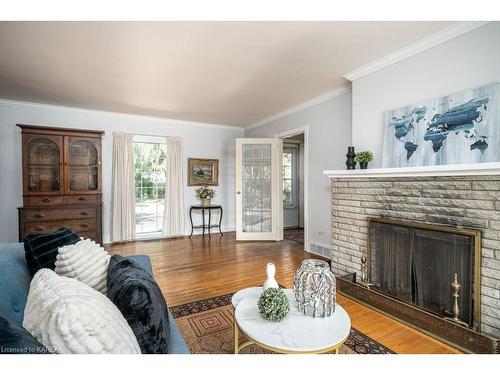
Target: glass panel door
<point>82,166</point>
<point>150,183</point>
<point>43,165</point>
<point>258,192</point>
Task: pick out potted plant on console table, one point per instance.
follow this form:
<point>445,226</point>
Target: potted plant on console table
<point>205,194</point>
<point>363,158</point>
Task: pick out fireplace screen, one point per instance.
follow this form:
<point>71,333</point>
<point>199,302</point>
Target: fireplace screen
<point>416,263</point>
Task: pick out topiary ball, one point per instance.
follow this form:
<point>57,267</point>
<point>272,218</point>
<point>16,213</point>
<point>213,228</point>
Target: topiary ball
<point>273,304</point>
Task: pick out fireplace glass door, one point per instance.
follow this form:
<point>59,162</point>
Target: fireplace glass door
<point>417,266</point>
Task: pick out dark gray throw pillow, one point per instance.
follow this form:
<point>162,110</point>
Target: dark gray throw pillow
<point>40,250</point>
<point>136,294</point>
<point>15,339</point>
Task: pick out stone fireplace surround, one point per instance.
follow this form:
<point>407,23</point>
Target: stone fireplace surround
<point>467,201</point>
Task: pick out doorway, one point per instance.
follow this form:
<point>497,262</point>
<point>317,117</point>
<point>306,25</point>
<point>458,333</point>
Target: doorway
<point>294,173</point>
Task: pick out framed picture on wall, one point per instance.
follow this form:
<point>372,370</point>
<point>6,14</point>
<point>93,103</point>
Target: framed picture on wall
<point>203,172</point>
<point>457,128</point>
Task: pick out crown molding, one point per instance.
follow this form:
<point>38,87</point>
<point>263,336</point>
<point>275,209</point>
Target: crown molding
<point>341,90</point>
<point>95,112</point>
<point>413,49</point>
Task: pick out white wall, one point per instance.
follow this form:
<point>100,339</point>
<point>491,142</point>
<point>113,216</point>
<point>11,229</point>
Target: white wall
<point>329,135</point>
<point>200,141</point>
<point>468,61</point>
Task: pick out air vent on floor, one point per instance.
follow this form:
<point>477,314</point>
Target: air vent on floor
<point>321,250</point>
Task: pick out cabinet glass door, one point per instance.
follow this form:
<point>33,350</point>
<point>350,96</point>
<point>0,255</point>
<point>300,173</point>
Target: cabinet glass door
<point>82,166</point>
<point>43,165</point>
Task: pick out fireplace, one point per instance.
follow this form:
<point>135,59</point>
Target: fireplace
<point>435,206</point>
<point>416,264</point>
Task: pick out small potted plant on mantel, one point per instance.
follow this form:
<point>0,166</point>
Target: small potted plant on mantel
<point>363,158</point>
<point>205,194</point>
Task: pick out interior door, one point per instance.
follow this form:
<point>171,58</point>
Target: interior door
<point>259,204</point>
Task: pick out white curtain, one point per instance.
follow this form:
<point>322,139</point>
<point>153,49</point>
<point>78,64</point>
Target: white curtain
<point>173,219</point>
<point>123,188</point>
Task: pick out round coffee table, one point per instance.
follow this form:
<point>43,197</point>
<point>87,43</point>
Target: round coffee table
<point>297,333</point>
<point>240,295</point>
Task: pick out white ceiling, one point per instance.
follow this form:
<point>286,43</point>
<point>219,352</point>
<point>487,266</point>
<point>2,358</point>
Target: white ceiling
<point>233,73</point>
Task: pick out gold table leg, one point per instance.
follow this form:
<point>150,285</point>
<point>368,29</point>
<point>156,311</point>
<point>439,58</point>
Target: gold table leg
<point>235,335</point>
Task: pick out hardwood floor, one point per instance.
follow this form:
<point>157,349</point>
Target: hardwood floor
<point>193,269</point>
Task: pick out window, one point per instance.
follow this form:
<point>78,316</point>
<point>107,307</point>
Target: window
<point>149,165</point>
<point>289,177</point>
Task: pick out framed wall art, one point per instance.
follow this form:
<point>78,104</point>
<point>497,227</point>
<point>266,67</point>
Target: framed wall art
<point>203,172</point>
<point>459,128</point>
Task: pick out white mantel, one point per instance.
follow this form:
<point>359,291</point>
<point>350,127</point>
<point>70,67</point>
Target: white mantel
<point>472,169</point>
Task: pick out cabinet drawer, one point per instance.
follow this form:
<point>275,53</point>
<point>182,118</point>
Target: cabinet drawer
<point>42,215</point>
<point>78,226</point>
<point>79,199</point>
<point>49,200</point>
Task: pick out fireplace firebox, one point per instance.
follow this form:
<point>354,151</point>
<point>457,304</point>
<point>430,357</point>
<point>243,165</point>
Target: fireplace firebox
<point>416,263</point>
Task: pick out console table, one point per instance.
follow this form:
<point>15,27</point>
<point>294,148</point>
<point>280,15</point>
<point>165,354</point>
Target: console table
<point>204,226</point>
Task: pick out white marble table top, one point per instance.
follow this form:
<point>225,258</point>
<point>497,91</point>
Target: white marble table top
<point>241,294</point>
<point>297,332</point>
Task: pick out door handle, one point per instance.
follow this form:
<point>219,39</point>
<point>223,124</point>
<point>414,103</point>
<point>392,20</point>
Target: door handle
<point>238,192</point>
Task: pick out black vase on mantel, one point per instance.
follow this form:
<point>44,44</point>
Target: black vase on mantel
<point>350,162</point>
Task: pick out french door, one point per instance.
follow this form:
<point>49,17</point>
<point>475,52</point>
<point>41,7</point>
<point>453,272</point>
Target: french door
<point>259,203</point>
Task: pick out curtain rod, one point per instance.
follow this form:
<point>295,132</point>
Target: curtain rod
<point>151,135</point>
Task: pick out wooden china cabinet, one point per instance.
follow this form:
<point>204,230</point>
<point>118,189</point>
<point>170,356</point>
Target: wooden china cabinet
<point>62,183</point>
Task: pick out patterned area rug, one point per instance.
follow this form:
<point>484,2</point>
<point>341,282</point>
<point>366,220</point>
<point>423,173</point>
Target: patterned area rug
<point>207,328</point>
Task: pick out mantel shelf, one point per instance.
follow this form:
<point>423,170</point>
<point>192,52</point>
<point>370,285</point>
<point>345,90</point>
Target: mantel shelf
<point>472,169</point>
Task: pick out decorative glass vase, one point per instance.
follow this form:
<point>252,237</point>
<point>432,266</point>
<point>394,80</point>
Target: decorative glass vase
<point>315,288</point>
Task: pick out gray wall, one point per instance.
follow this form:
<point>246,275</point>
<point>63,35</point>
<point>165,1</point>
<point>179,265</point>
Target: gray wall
<point>329,135</point>
<point>217,142</point>
<point>468,61</point>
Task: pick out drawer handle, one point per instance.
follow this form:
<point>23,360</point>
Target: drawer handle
<point>84,225</point>
<point>40,228</point>
<point>81,199</point>
<point>38,216</point>
<point>84,213</point>
<point>45,200</point>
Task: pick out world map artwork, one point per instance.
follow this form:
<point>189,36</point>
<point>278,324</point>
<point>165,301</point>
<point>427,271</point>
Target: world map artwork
<point>458,128</point>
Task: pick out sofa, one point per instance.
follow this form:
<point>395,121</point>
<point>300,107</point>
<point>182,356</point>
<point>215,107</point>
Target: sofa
<point>15,282</point>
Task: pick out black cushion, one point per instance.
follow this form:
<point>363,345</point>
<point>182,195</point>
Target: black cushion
<point>16,340</point>
<point>40,250</point>
<point>136,294</point>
